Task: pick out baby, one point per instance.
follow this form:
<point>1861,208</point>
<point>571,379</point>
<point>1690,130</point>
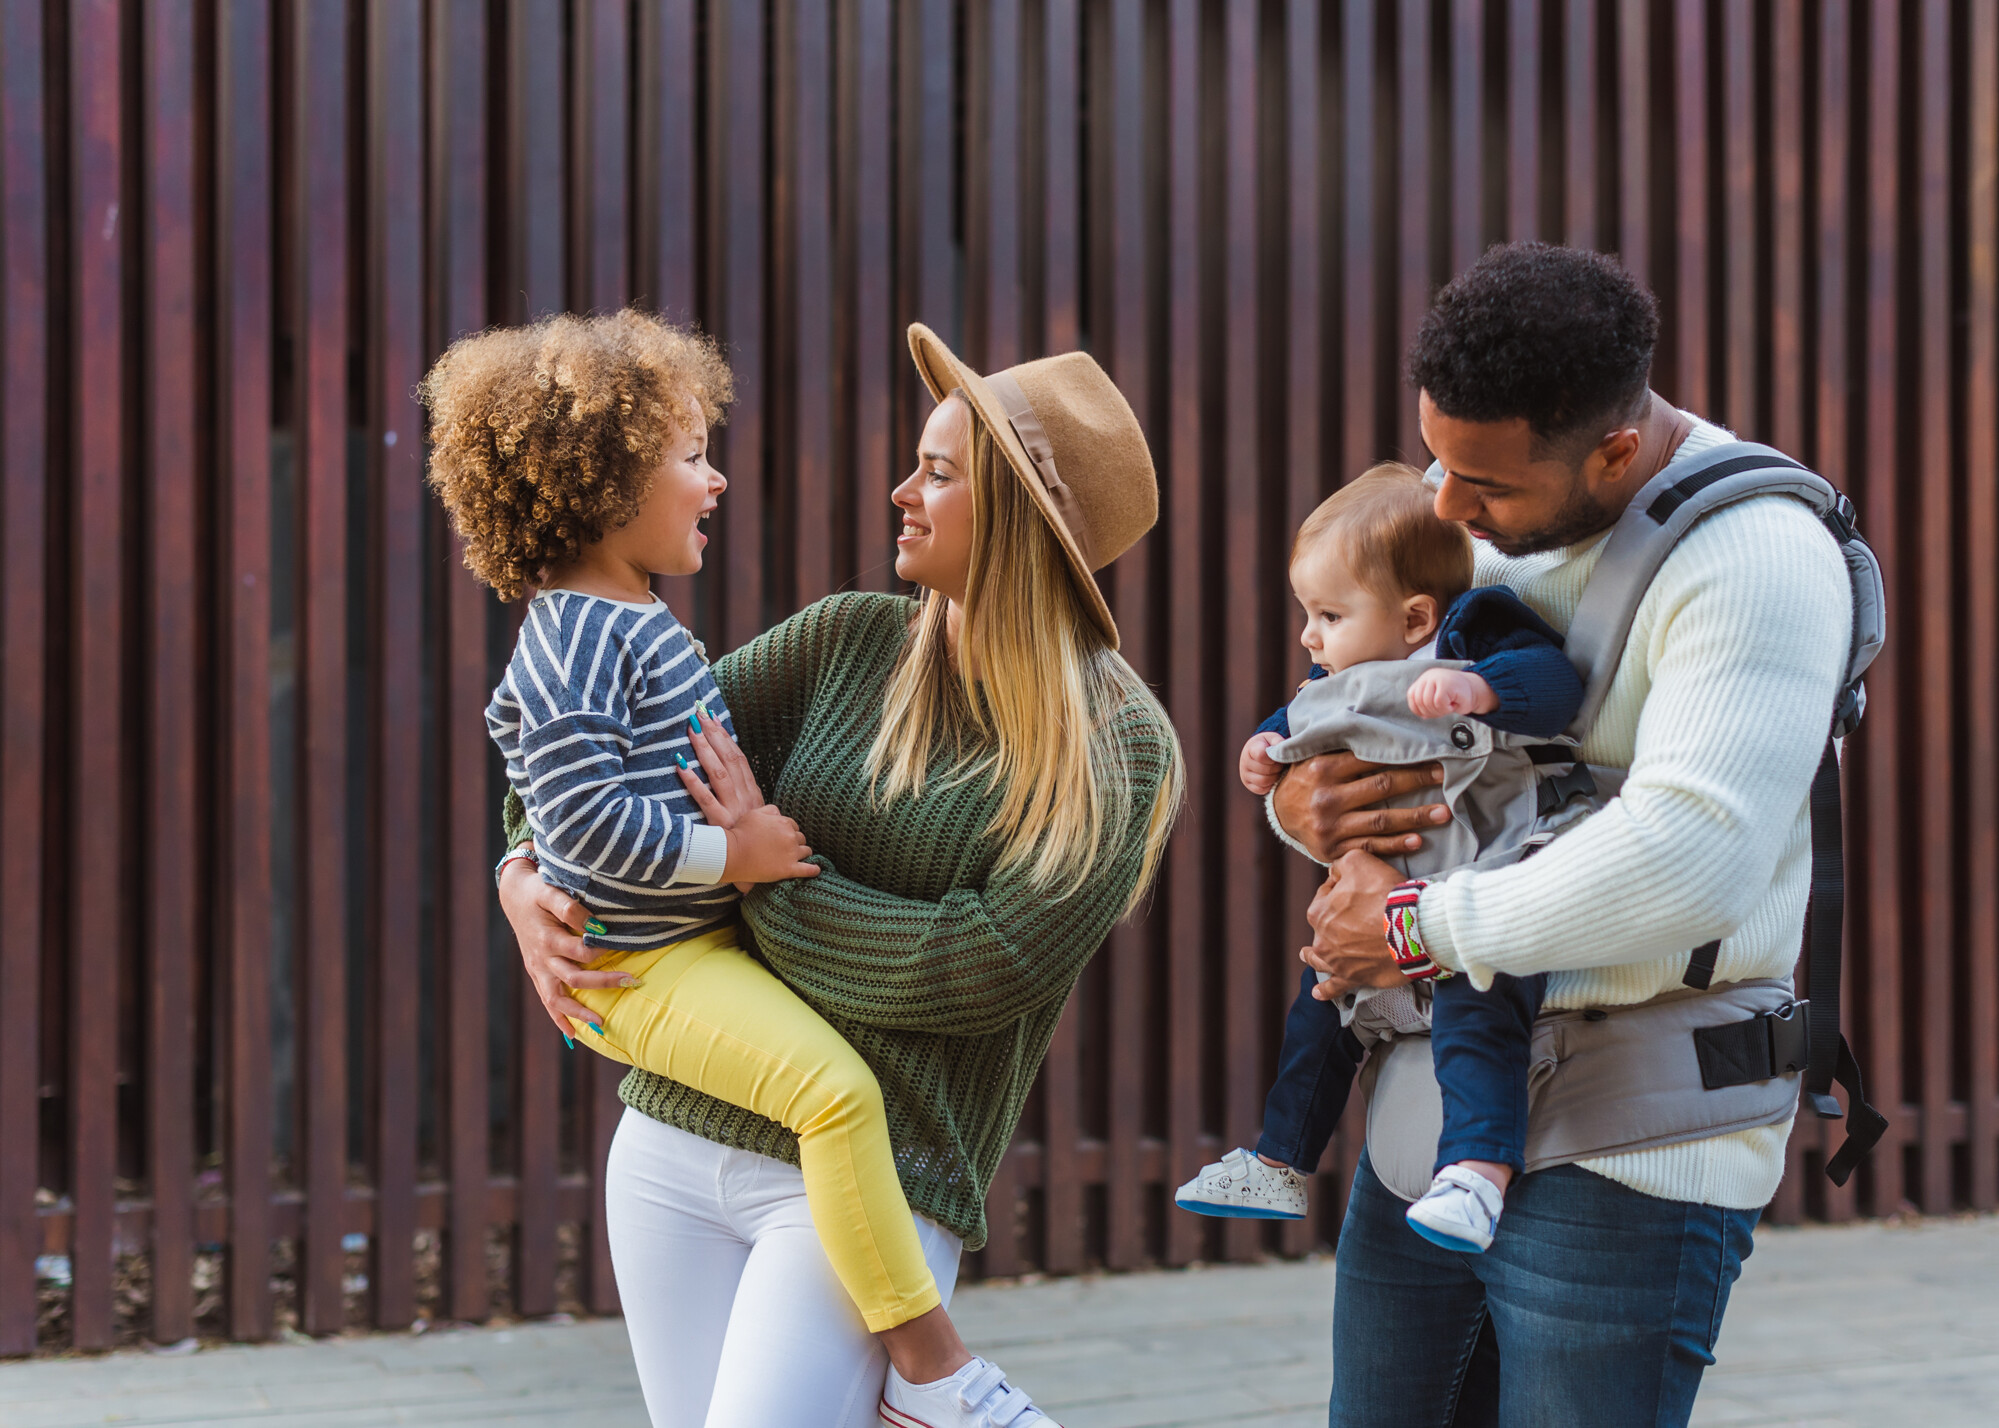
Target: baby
<point>1381,577</point>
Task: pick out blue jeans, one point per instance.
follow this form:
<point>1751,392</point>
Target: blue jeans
<point>1603,1306</point>
<point>1315,1070</point>
<point>1481,1041</point>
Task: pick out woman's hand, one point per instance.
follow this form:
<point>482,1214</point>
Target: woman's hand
<point>1328,804</point>
<point>731,791</point>
<point>549,925</point>
<point>1349,933</point>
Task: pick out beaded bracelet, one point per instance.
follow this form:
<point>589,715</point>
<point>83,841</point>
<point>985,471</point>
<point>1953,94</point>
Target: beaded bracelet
<point>1399,919</point>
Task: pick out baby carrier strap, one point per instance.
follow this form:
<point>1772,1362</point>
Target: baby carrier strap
<point>1652,524</point>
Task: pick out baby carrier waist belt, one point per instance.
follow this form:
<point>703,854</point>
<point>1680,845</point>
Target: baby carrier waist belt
<point>1685,1065</point>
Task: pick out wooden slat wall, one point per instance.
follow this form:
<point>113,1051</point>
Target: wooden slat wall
<point>236,235</point>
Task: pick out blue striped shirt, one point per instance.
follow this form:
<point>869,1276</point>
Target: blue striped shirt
<point>592,711</point>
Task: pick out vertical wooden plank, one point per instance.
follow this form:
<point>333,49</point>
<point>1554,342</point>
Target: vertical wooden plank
<point>1981,644</point>
<point>876,356</point>
<point>1581,82</point>
<point>1189,675</point>
<point>320,131</point>
<point>1692,339</point>
<point>459,216</point>
<point>1938,584</point>
<point>1412,201</point>
<point>97,922</point>
<point>1523,119</point>
<point>601,91</point>
<point>1834,436</point>
<point>1061,1078</point>
<point>1744,293</point>
<point>1130,367</point>
<point>395,315</point>
<point>1359,359</point>
<point>993,75</point>
<point>669,61</point>
<point>1305,463</point>
<point>243,285</point>
<point>172,833</point>
<point>811,280</point>
<point>1246,682</point>
<point>1790,370</point>
<point>1467,137</point>
<point>1789,256</point>
<point>737,121</point>
<point>1634,138</point>
<point>23,507</point>
<point>1880,736</point>
<point>537,164</point>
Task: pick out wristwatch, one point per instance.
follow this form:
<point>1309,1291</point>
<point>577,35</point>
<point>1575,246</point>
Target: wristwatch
<point>1399,926</point>
<point>523,853</point>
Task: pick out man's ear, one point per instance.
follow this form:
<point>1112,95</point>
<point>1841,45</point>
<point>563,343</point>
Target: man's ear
<point>1608,464</point>
<point>1420,618</point>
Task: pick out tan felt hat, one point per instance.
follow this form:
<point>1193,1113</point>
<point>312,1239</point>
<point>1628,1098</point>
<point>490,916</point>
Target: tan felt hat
<point>1071,437</point>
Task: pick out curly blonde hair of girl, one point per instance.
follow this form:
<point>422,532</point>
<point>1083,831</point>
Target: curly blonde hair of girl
<point>544,437</point>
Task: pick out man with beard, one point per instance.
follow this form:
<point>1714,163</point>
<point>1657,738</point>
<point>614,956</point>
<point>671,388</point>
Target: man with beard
<point>1602,1295</point>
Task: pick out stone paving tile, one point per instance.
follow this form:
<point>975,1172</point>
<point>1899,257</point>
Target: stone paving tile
<point>1870,1326</point>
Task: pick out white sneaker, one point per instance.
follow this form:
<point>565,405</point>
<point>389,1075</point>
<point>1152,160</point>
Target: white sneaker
<point>976,1396</point>
<point>1240,1186</point>
<point>1459,1211</point>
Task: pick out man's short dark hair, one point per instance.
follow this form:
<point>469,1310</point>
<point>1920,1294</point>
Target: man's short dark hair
<point>1562,337</point>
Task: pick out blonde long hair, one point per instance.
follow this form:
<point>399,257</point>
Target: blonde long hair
<point>1046,675</point>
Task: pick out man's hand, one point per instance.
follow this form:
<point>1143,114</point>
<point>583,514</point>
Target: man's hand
<point>1258,771</point>
<point>1328,804</point>
<point>1349,936</point>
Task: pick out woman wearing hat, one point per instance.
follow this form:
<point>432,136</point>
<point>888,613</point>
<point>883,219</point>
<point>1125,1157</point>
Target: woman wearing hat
<point>988,786</point>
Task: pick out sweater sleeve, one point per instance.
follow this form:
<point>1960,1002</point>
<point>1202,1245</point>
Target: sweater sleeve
<point>1520,655</point>
<point>969,965</point>
<point>1743,636</point>
<point>769,683</point>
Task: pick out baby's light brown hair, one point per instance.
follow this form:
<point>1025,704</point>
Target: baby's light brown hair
<point>544,437</point>
<point>1384,525</point>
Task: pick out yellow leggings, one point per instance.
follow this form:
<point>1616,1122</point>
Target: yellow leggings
<point>707,1015</point>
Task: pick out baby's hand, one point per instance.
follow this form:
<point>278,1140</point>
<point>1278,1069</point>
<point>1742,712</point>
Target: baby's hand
<point>1258,771</point>
<point>1438,692</point>
<point>765,846</point>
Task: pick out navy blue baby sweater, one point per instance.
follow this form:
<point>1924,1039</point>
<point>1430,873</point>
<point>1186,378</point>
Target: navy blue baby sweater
<point>1512,649</point>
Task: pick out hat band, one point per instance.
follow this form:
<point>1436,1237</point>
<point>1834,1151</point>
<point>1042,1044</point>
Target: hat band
<point>1027,426</point>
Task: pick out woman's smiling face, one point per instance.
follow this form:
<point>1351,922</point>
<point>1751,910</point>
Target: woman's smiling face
<point>934,549</point>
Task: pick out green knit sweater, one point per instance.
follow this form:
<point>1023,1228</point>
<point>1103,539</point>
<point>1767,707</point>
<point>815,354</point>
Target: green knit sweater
<point>947,976</point>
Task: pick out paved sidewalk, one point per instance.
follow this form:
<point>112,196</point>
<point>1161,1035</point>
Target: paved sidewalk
<point>1870,1326</point>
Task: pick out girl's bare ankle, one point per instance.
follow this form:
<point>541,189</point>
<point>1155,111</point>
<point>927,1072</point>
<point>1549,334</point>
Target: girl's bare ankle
<point>926,1348</point>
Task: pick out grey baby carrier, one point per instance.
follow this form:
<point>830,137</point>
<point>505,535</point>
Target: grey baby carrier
<point>1699,1061</point>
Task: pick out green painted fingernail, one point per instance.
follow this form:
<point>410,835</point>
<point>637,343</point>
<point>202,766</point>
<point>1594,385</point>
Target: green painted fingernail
<point>570,1040</point>
<point>595,927</point>
<point>596,1028</point>
<point>628,982</point>
<point>695,722</point>
<point>679,760</point>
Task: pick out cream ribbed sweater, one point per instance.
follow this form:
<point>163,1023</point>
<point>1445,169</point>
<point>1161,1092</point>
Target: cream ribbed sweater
<point>1719,711</point>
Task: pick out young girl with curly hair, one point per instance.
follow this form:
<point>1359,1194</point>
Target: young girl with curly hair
<point>572,455</point>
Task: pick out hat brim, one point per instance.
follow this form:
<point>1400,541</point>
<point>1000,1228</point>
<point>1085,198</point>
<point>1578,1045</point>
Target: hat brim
<point>943,373</point>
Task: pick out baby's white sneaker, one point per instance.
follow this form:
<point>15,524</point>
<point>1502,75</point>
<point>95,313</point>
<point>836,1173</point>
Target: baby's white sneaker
<point>976,1396</point>
<point>1459,1211</point>
<point>1240,1186</point>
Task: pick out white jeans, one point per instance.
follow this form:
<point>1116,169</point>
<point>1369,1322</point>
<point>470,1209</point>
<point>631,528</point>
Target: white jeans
<point>735,1316</point>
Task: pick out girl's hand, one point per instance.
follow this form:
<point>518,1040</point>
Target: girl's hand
<point>1258,771</point>
<point>1439,692</point>
<point>766,847</point>
<point>549,925</point>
